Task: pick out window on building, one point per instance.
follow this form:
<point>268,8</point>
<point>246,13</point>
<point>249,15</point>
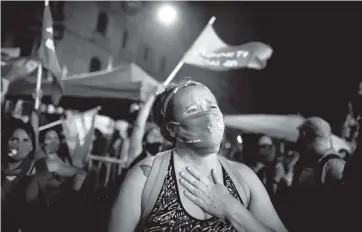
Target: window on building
<point>102,23</point>
<point>163,64</point>
<point>124,39</point>
<point>95,64</point>
<point>145,53</point>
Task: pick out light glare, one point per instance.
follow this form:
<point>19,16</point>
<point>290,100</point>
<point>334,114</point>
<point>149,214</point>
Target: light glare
<point>167,15</point>
<point>240,140</point>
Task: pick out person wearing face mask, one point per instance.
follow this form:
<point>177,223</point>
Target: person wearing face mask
<point>56,186</point>
<point>191,188</point>
<point>53,147</point>
<point>268,168</point>
<point>152,142</point>
<point>17,166</point>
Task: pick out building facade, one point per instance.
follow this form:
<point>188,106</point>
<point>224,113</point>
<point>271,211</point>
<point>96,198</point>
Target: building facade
<point>93,36</point>
<point>98,35</point>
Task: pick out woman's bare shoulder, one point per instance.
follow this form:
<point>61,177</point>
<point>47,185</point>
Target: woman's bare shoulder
<point>143,167</point>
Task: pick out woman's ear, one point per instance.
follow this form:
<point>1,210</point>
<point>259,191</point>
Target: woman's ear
<point>171,129</point>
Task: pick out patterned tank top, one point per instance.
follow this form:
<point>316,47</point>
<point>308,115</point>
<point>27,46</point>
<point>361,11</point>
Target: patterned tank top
<point>168,214</point>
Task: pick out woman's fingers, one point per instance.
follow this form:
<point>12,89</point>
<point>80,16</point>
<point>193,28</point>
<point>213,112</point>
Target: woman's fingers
<point>202,184</point>
<point>197,176</point>
<point>191,188</point>
<point>195,199</point>
<point>194,173</point>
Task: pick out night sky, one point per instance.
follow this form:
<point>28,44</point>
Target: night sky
<point>316,65</point>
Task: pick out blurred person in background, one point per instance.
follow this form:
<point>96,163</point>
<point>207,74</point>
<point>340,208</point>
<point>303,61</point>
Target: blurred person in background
<point>54,147</point>
<point>315,145</point>
<point>283,193</point>
<point>99,144</point>
<point>290,159</point>
<point>124,130</point>
<point>17,166</point>
<point>145,141</point>
<point>236,153</point>
<point>56,186</point>
<point>352,174</point>
<point>152,143</point>
<point>317,178</point>
<point>267,166</point>
<point>350,126</point>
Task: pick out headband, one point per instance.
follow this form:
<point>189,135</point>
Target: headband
<point>168,98</point>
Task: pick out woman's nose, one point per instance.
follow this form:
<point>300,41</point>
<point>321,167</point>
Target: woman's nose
<point>205,106</point>
<point>209,121</point>
<point>13,145</point>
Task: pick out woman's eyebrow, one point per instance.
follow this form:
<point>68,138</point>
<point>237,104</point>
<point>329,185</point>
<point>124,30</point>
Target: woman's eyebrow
<point>189,106</point>
<point>211,101</point>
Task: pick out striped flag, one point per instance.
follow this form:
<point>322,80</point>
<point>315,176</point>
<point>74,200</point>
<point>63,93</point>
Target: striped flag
<point>48,56</point>
<point>210,52</point>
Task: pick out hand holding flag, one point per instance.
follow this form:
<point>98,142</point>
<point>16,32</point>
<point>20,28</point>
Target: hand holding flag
<point>14,68</point>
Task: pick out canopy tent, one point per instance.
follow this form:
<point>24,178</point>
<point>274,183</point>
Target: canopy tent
<point>278,126</point>
<point>127,81</point>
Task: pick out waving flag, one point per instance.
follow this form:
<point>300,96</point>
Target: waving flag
<point>210,52</point>
<point>78,130</point>
<point>14,68</point>
<point>48,56</point>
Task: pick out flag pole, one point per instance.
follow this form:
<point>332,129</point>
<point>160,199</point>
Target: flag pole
<point>50,125</point>
<point>35,117</point>
<point>38,87</point>
<point>38,81</point>
<point>181,62</point>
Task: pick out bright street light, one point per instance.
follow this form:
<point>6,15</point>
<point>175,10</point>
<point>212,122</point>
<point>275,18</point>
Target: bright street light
<point>167,14</point>
<point>239,139</point>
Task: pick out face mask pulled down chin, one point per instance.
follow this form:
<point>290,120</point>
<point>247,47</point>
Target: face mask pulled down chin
<point>202,131</point>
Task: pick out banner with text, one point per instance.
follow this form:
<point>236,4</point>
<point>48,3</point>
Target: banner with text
<point>210,52</point>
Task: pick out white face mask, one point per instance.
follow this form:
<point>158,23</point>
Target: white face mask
<point>202,131</point>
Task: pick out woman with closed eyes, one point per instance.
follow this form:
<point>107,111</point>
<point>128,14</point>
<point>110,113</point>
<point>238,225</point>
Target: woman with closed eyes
<point>191,188</point>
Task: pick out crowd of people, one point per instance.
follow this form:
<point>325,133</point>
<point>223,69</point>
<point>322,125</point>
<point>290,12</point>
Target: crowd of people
<point>177,174</point>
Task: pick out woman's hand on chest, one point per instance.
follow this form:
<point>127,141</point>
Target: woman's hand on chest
<point>209,195</point>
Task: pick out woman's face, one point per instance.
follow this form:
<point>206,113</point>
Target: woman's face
<point>19,145</point>
<point>51,142</point>
<point>193,99</point>
<point>200,120</point>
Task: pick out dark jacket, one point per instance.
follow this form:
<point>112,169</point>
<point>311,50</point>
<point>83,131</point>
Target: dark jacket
<point>14,208</point>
